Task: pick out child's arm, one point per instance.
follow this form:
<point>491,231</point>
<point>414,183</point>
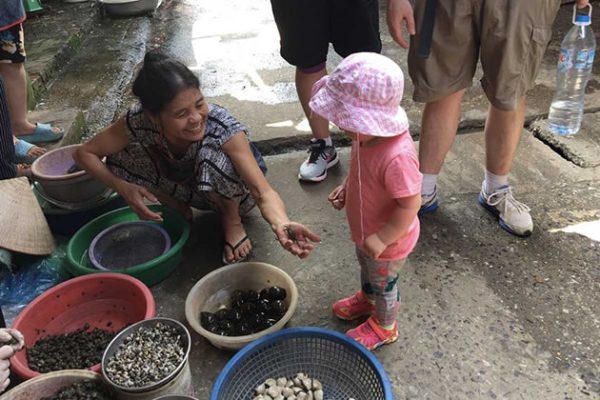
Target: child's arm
<point>400,220</point>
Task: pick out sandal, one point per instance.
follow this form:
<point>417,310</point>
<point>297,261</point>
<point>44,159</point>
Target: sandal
<point>22,149</point>
<point>43,133</point>
<point>233,249</point>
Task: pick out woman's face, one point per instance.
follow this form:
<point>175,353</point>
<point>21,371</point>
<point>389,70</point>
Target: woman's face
<point>183,120</point>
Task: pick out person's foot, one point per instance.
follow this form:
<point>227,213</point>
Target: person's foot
<point>372,335</point>
<point>36,151</point>
<point>237,244</point>
<point>24,170</point>
<point>39,133</point>
<point>353,307</point>
<point>320,159</point>
<point>513,216</point>
<point>30,128</point>
<point>429,202</point>
<point>26,153</point>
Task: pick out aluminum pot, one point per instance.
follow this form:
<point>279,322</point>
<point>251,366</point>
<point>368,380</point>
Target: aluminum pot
<point>178,382</point>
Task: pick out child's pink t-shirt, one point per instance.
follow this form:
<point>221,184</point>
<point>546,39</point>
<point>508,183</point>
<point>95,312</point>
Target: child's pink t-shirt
<point>388,170</point>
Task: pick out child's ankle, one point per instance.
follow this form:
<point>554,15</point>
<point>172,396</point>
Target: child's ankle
<point>391,327</point>
<point>366,297</point>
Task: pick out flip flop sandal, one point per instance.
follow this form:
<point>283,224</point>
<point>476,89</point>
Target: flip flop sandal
<point>21,152</point>
<point>233,249</point>
<point>42,133</point>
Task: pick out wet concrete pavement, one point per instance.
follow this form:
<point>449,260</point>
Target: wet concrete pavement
<point>235,48</point>
<point>485,315</point>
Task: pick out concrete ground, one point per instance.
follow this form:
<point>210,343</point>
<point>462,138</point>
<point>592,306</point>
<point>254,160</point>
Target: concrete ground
<point>485,315</point>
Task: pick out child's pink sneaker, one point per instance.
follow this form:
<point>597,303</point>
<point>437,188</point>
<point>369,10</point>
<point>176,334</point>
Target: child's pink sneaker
<point>353,307</point>
<point>372,335</point>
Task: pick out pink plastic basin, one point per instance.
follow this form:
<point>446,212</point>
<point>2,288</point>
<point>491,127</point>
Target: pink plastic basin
<point>107,301</point>
<point>51,170</point>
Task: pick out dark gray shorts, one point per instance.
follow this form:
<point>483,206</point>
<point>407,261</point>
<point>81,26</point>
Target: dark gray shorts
<point>306,28</point>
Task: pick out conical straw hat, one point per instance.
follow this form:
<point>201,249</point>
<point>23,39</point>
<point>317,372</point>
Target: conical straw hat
<point>23,227</point>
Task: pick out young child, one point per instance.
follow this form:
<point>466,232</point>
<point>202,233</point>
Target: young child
<point>382,193</point>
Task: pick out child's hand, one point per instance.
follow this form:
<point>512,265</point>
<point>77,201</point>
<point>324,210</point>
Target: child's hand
<point>337,197</point>
<point>374,246</point>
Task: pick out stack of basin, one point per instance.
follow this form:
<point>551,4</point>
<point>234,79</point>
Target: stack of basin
<point>69,196</point>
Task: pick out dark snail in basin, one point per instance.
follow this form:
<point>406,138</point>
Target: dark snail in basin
<point>248,312</point>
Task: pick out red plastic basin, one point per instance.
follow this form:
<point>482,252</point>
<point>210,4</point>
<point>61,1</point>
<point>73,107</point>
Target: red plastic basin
<point>108,301</point>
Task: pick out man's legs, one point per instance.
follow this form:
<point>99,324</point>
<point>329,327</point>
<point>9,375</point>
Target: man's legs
<point>502,133</point>
<point>438,129</point>
<point>439,126</point>
<point>322,153</point>
<point>304,83</point>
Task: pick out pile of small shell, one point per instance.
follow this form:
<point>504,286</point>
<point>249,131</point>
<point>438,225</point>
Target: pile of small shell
<point>85,390</point>
<point>146,356</point>
<point>302,387</point>
<point>76,350</point>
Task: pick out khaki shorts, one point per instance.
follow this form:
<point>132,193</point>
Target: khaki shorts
<point>508,36</point>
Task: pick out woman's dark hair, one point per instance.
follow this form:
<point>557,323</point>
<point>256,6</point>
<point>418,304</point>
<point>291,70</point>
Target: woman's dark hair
<point>160,79</point>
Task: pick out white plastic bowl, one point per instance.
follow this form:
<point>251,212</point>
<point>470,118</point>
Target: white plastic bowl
<point>214,290</point>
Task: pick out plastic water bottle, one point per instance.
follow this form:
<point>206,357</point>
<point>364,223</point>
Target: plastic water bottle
<point>573,72</point>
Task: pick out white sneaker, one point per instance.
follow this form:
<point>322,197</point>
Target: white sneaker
<point>321,158</point>
<point>429,202</point>
<point>513,216</point>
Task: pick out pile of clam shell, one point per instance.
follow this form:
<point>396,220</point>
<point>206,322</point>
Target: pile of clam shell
<point>301,387</point>
<point>79,349</point>
<point>248,312</point>
<point>146,356</point>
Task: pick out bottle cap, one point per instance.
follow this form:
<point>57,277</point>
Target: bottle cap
<point>582,19</point>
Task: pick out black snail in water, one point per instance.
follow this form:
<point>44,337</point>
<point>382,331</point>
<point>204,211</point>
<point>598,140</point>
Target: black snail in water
<point>248,312</point>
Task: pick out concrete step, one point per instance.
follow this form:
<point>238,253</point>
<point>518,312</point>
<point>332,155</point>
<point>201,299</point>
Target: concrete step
<point>84,93</point>
<point>52,38</point>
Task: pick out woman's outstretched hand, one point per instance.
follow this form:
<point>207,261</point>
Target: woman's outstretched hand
<point>134,195</point>
<point>296,238</point>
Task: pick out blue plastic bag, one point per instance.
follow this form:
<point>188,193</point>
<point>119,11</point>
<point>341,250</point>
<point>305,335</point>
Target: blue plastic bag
<point>33,277</point>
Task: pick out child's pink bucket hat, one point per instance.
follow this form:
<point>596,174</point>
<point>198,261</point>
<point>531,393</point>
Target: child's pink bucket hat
<point>362,95</point>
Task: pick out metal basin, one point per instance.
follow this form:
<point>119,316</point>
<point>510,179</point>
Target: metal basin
<point>116,343</point>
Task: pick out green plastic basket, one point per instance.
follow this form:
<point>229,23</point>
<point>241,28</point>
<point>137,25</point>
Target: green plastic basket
<point>150,272</point>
